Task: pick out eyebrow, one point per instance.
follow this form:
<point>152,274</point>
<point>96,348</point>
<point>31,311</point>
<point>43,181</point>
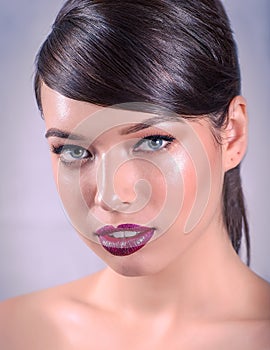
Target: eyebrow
<point>53,132</point>
<point>150,122</point>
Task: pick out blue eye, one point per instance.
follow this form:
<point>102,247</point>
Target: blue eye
<point>72,153</point>
<point>153,143</point>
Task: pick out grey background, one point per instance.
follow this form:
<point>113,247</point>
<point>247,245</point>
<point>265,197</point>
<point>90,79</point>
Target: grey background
<point>38,246</point>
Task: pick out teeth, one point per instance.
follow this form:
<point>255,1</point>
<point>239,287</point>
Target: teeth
<point>123,234</point>
<point>118,234</point>
<point>130,233</point>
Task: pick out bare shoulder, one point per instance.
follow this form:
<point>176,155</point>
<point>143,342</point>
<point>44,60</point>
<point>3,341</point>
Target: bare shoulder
<point>245,320</point>
<point>259,293</point>
<point>24,320</point>
<point>252,329</point>
<point>41,320</point>
<point>261,338</point>
<point>248,335</point>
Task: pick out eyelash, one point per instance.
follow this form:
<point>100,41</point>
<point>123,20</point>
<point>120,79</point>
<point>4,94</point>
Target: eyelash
<point>168,138</point>
<point>59,150</point>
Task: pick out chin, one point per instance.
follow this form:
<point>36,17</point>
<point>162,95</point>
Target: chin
<point>137,264</point>
<point>131,266</point>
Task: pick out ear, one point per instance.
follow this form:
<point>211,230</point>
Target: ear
<point>235,133</point>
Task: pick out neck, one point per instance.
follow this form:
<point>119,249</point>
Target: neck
<point>194,283</point>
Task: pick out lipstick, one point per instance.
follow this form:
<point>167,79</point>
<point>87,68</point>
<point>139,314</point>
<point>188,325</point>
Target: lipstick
<point>125,239</point>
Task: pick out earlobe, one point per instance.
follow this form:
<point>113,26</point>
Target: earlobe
<point>235,133</point>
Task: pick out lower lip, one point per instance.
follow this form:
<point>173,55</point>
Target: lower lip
<point>127,245</point>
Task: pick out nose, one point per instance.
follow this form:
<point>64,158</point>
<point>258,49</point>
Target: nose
<point>114,191</point>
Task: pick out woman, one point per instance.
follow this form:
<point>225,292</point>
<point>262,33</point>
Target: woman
<point>147,129</point>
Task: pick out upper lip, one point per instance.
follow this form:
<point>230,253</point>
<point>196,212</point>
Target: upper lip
<point>109,229</point>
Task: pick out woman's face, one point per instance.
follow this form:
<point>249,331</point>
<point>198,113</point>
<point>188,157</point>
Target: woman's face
<point>139,188</point>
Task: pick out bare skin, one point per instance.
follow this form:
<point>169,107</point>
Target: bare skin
<point>87,314</point>
<point>188,292</point>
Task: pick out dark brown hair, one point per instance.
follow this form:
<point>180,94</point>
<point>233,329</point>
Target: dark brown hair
<point>178,54</point>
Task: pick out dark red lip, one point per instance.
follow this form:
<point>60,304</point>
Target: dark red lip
<point>124,245</point>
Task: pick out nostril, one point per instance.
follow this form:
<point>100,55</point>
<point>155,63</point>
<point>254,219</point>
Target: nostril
<point>110,202</point>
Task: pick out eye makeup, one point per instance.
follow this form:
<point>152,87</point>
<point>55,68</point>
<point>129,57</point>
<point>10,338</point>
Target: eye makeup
<point>72,154</point>
<point>153,143</point>
<point>149,142</point>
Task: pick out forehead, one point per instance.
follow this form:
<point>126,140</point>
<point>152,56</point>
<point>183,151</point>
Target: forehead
<point>88,119</point>
<point>61,111</point>
<point>69,114</point>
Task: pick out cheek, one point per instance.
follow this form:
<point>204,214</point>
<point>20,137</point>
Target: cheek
<point>157,191</point>
<point>183,186</point>
<point>163,191</point>
<point>135,181</point>
<point>88,186</point>
<point>201,187</point>
<point>141,179</point>
<point>189,178</point>
<point>55,169</point>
